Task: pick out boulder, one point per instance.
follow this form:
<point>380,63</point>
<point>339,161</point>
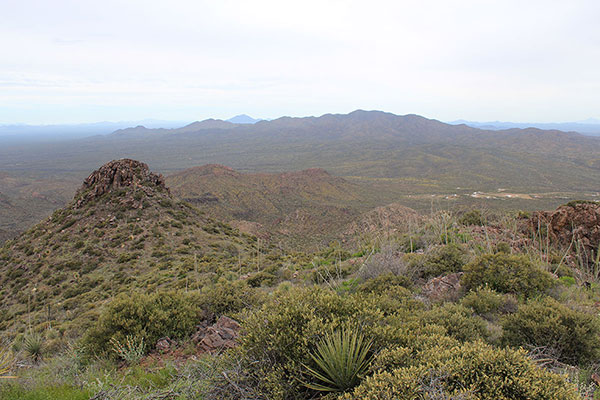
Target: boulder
<point>221,335</point>
<point>443,287</point>
<point>164,344</point>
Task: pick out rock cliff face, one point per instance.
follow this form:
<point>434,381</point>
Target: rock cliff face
<point>119,174</point>
<point>577,222</point>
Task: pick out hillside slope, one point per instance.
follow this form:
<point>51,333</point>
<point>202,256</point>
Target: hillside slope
<point>306,207</point>
<point>122,231</point>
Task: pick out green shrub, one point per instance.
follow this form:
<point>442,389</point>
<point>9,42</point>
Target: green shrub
<point>261,278</point>
<point>458,321</point>
<point>384,282</point>
<point>444,260</point>
<point>487,302</point>
<point>147,317</point>
<point>502,247</point>
<point>506,273</point>
<point>569,335</point>
<point>472,217</point>
<point>280,337</point>
<point>567,280</point>
<point>225,297</point>
<point>469,371</point>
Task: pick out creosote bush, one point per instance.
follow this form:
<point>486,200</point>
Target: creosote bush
<point>147,317</point>
<point>506,273</point>
<point>226,297</point>
<point>383,283</point>
<point>468,371</point>
<point>472,217</point>
<point>458,320</point>
<point>489,303</point>
<point>444,260</point>
<point>280,337</point>
<point>571,336</point>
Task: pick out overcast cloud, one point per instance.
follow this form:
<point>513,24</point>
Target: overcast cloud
<point>82,61</point>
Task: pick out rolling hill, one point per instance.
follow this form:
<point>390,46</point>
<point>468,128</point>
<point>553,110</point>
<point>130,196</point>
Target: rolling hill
<point>304,207</point>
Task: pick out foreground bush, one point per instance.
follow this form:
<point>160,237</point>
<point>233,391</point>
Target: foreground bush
<point>225,297</point>
<point>488,303</point>
<point>458,320</point>
<point>507,273</point>
<point>146,317</point>
<point>444,260</point>
<point>468,371</point>
<point>569,335</point>
<point>280,338</point>
<point>283,334</point>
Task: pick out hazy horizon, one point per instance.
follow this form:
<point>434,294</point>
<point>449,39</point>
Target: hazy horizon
<point>157,122</point>
<point>74,62</point>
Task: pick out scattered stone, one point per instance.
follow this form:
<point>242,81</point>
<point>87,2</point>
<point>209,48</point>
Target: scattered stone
<point>221,335</point>
<point>163,345</point>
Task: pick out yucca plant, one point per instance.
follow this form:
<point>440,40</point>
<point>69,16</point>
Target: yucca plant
<point>341,357</point>
<point>33,344</point>
<point>6,361</point>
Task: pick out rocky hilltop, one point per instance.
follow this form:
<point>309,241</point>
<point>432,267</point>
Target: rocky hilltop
<point>117,175</point>
<point>122,231</point>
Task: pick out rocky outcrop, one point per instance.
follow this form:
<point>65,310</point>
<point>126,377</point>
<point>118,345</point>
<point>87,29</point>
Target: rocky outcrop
<point>576,222</point>
<point>119,174</point>
<point>219,336</point>
<point>443,287</point>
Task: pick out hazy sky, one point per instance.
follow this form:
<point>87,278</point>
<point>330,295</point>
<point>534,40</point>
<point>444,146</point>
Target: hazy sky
<point>81,61</point>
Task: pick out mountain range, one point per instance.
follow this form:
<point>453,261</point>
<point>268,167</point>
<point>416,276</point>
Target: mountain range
<point>590,126</point>
<point>408,159</point>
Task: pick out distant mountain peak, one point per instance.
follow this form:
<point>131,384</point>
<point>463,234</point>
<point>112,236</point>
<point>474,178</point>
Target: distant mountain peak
<point>210,123</point>
<point>243,119</point>
<point>137,129</point>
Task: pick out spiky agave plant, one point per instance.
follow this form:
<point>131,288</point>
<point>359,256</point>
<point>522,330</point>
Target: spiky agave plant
<point>6,361</point>
<point>341,357</point>
<point>33,344</point>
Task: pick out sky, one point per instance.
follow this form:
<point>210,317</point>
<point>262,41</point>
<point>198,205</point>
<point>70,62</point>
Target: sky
<point>73,61</point>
